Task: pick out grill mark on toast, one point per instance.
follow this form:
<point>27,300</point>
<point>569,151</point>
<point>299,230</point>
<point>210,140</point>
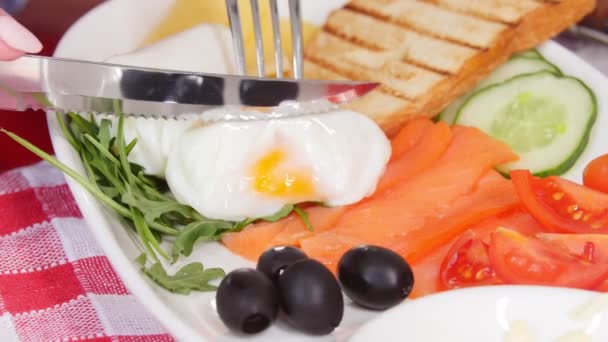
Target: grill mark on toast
<point>375,47</point>
<point>376,101</point>
<point>390,112</point>
<point>433,20</point>
<point>505,11</point>
<point>356,62</point>
<point>420,50</point>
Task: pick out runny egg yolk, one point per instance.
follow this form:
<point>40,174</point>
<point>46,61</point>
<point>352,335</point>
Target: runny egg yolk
<point>271,179</point>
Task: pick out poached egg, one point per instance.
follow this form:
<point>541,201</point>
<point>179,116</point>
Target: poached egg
<point>238,170</point>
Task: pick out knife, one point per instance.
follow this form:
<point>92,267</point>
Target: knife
<point>68,85</point>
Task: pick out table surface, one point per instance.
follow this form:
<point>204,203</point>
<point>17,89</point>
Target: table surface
<point>50,19</point>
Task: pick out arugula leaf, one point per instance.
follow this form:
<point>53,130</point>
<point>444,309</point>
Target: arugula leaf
<point>104,134</point>
<point>144,200</point>
<point>284,212</point>
<point>131,146</point>
<point>210,230</point>
<point>207,230</point>
<point>141,259</point>
<point>304,216</point>
<point>192,277</point>
<point>148,239</point>
<point>241,225</point>
<point>84,182</point>
<point>154,209</point>
<point>66,133</point>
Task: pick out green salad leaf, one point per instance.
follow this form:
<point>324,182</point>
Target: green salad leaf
<point>204,230</point>
<point>284,212</point>
<point>143,200</point>
<point>211,230</point>
<point>192,277</point>
<point>304,216</point>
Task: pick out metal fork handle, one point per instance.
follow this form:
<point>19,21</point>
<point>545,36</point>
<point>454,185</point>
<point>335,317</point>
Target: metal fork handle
<point>276,34</point>
<point>295,17</point>
<point>234,19</point>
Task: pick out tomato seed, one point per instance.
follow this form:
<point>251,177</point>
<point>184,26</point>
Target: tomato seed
<point>468,273</point>
<point>558,196</point>
<point>578,215</point>
<point>483,273</point>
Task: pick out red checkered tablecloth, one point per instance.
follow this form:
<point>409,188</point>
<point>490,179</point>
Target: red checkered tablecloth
<point>55,282</point>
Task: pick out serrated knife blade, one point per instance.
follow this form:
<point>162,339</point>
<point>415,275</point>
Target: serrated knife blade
<point>60,84</point>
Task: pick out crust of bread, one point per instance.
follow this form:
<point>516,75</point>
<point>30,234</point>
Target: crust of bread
<point>370,40</point>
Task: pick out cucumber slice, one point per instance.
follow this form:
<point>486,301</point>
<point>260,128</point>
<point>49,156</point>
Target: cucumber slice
<point>544,117</point>
<point>532,53</point>
<point>514,67</point>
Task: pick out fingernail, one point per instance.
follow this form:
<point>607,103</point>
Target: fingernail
<point>17,36</point>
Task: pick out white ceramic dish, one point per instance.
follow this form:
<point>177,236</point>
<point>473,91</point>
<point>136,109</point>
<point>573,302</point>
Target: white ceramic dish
<point>118,26</point>
<point>493,313</point>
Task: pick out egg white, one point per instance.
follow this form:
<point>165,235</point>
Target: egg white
<point>210,167</point>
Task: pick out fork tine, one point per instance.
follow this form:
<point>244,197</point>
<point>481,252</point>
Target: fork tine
<point>295,17</point>
<point>232,7</point>
<point>276,34</point>
<point>259,40</point>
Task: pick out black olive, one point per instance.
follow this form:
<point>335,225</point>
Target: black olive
<point>247,301</point>
<point>375,277</point>
<point>275,260</point>
<point>311,297</point>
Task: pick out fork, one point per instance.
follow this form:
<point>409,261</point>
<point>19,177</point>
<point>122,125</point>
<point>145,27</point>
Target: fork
<point>295,18</point>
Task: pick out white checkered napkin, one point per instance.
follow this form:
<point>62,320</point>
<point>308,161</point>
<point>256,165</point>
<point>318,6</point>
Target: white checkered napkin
<point>55,282</point>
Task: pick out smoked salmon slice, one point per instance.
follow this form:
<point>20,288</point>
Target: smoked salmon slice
<point>409,136</point>
<point>426,272</point>
<point>328,247</point>
<point>409,205</point>
<point>493,195</point>
<point>257,238</point>
<point>252,241</point>
<point>418,157</point>
<point>321,219</point>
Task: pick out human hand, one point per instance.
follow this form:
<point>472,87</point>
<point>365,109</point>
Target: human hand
<point>15,40</point>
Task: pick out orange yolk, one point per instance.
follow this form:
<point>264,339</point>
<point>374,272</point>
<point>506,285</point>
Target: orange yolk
<point>273,180</point>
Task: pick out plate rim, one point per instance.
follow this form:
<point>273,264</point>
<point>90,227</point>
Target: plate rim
<point>93,212</point>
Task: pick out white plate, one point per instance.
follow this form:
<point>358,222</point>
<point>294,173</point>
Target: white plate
<point>118,26</point>
<point>490,314</point>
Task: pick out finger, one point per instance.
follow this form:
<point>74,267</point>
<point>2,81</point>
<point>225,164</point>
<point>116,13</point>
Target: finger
<point>15,36</point>
<point>8,53</point>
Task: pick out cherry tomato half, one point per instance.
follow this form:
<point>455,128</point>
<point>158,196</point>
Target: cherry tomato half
<point>595,175</point>
<point>518,259</point>
<point>589,247</point>
<point>562,206</point>
<point>467,264</point>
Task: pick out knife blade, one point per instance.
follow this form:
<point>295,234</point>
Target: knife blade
<point>68,85</point>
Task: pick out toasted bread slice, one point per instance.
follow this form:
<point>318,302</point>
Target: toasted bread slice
<point>426,53</point>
